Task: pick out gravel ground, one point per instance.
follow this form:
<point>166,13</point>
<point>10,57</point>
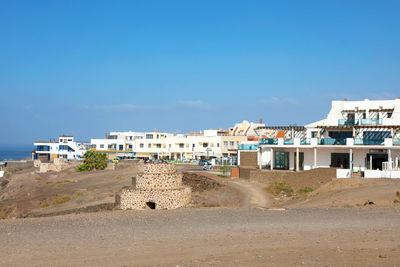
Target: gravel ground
<point>206,237</point>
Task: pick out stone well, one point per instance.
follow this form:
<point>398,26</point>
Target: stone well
<point>158,187</point>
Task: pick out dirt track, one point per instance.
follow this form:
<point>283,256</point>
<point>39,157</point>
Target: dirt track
<point>206,237</point>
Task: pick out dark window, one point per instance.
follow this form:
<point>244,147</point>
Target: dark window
<point>340,160</point>
<point>389,114</point>
<point>340,135</point>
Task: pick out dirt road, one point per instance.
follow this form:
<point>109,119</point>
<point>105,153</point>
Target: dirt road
<point>206,237</point>
<point>253,193</point>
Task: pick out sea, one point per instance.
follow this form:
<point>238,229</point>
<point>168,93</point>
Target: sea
<point>15,152</point>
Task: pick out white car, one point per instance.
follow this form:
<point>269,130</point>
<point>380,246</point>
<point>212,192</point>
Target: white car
<point>207,166</point>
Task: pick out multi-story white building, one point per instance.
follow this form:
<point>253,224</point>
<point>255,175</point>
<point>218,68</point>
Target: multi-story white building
<point>64,147</point>
<point>155,145</point>
<point>355,136</point>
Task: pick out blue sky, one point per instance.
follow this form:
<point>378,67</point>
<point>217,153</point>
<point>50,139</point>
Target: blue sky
<point>90,67</point>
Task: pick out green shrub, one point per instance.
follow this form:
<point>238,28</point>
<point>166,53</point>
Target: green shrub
<point>61,200</point>
<point>305,190</point>
<point>93,160</point>
<point>225,169</point>
<point>281,188</point>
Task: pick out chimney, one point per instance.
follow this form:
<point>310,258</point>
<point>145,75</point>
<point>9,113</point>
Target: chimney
<point>345,99</point>
<point>155,130</point>
<point>260,120</point>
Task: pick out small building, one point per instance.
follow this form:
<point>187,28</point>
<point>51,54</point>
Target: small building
<point>65,147</point>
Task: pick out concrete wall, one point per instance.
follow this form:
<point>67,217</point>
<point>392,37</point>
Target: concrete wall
<point>248,159</point>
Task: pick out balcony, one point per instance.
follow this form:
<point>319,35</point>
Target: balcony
<point>332,141</point>
<point>370,121</point>
<point>360,122</point>
<point>288,142</point>
<point>268,141</point>
<point>248,147</point>
<point>360,141</point>
<point>305,141</point>
<point>348,122</point>
<point>396,142</point>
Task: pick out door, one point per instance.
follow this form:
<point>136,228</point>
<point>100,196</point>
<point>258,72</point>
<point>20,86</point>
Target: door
<point>301,161</point>
<point>281,160</point>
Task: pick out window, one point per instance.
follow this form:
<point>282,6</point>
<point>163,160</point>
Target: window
<point>225,144</point>
<point>205,144</point>
<point>231,144</point>
<point>389,114</point>
<point>149,136</point>
<point>101,145</point>
<point>314,134</point>
<point>149,145</point>
<point>70,140</point>
<point>217,144</point>
<point>364,115</point>
<point>181,145</point>
<point>158,145</point>
<point>141,145</point>
<point>121,147</point>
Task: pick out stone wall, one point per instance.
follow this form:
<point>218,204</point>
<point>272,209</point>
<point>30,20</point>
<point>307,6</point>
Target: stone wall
<point>58,165</point>
<point>159,186</point>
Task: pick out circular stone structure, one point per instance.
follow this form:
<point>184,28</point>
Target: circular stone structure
<point>158,187</point>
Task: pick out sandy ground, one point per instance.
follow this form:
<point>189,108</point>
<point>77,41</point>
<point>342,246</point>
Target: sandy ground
<point>29,193</point>
<point>206,237</point>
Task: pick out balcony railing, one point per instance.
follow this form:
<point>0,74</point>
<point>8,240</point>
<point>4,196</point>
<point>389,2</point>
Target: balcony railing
<point>359,141</point>
<point>268,141</point>
<point>248,147</point>
<point>332,141</point>
<point>396,142</point>
<point>305,141</point>
<point>360,122</point>
<point>288,142</point>
<point>370,121</point>
<point>348,122</point>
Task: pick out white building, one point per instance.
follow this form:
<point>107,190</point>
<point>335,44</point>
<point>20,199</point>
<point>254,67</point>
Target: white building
<point>155,145</point>
<point>355,136</point>
<point>64,147</point>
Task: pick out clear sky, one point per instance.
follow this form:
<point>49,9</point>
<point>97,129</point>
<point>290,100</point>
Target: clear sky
<point>90,67</point>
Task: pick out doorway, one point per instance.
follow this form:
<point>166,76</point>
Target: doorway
<point>377,160</point>
<point>281,160</point>
<point>340,160</point>
<point>301,161</point>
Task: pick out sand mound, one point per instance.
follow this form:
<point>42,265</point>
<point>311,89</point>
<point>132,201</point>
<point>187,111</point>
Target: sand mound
<point>353,193</point>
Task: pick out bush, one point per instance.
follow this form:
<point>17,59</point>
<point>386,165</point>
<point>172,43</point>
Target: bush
<point>225,169</point>
<point>281,188</point>
<point>305,190</point>
<point>92,160</point>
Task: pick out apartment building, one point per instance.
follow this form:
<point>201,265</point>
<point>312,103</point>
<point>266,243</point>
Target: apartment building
<point>64,147</point>
<point>355,136</point>
<point>208,144</point>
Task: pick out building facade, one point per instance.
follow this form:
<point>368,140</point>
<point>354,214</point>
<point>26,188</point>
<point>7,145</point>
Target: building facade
<point>355,136</point>
<point>210,144</point>
<point>64,147</point>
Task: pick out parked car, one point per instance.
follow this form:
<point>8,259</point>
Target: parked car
<point>207,166</point>
<point>203,162</point>
<point>148,161</point>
